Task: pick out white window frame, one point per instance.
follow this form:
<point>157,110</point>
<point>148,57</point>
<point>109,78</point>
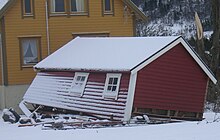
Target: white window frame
<point>111,94</point>
<point>75,91</point>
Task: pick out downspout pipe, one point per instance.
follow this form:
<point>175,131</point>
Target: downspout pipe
<point>2,96</point>
<point>2,69</point>
<point>47,28</point>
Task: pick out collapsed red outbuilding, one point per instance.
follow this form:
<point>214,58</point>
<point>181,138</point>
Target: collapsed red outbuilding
<point>118,76</point>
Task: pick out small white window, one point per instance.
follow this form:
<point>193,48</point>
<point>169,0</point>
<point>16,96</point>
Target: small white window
<point>112,83</point>
<point>79,83</point>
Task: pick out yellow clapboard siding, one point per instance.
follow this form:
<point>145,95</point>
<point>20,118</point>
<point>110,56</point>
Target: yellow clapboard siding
<point>61,29</point>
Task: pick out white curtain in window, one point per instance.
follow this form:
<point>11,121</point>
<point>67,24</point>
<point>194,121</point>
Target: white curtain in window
<point>29,51</point>
<point>52,5</point>
<point>80,5</point>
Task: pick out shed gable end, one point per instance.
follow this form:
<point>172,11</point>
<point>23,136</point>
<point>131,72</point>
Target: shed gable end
<point>174,81</point>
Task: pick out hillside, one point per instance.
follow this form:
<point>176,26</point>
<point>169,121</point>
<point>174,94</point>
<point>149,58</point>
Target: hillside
<point>174,17</point>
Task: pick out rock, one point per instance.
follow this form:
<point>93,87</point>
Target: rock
<point>7,116</point>
<point>17,117</point>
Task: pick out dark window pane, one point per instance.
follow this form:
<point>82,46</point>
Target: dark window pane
<point>59,6</point>
<point>83,78</point>
<point>78,78</point>
<point>107,5</point>
<point>27,6</point>
<point>109,88</point>
<point>115,81</point>
<point>110,81</point>
<point>114,88</point>
<point>73,6</point>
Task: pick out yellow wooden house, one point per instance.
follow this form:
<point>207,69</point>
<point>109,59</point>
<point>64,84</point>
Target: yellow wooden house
<point>33,29</point>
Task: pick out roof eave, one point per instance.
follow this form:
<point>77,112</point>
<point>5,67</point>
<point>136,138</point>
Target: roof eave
<point>138,13</point>
<point>81,69</point>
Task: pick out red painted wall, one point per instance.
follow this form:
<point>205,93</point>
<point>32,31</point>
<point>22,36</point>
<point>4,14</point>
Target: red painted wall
<point>174,81</point>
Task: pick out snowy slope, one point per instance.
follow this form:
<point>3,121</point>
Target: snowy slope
<point>207,129</point>
<point>174,17</point>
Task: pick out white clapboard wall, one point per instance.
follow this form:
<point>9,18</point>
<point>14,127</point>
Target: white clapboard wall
<point>53,90</point>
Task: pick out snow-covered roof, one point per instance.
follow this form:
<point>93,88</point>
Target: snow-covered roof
<point>105,54</point>
<point>2,3</point>
<point>114,54</point>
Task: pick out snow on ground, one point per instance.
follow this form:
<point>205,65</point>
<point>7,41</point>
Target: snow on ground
<point>208,34</point>
<point>206,129</point>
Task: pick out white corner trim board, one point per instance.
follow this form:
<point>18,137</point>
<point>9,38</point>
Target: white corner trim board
<point>130,97</point>
<point>197,59</point>
<point>24,109</point>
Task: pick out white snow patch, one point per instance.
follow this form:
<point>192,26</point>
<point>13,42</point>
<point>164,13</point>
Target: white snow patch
<point>206,129</point>
<point>208,34</point>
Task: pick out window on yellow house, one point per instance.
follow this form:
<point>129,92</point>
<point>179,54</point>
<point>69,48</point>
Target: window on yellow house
<point>108,6</point>
<point>27,8</point>
<point>30,50</point>
<point>57,6</point>
<point>91,34</point>
<point>79,6</point>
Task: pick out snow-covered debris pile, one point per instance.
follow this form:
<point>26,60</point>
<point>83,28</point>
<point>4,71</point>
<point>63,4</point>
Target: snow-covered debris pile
<point>50,120</point>
<point>68,121</point>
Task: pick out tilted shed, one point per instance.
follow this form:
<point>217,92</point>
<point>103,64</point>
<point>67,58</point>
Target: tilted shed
<point>116,77</point>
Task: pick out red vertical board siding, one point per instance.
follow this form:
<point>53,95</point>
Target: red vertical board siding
<point>174,81</point>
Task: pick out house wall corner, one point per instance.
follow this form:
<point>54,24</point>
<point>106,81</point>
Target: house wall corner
<point>11,96</point>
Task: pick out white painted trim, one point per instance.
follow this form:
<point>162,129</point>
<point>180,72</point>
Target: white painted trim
<point>25,109</point>
<point>107,94</point>
<point>130,97</point>
<point>196,58</point>
<point>151,59</point>
<point>166,49</point>
<point>80,92</point>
